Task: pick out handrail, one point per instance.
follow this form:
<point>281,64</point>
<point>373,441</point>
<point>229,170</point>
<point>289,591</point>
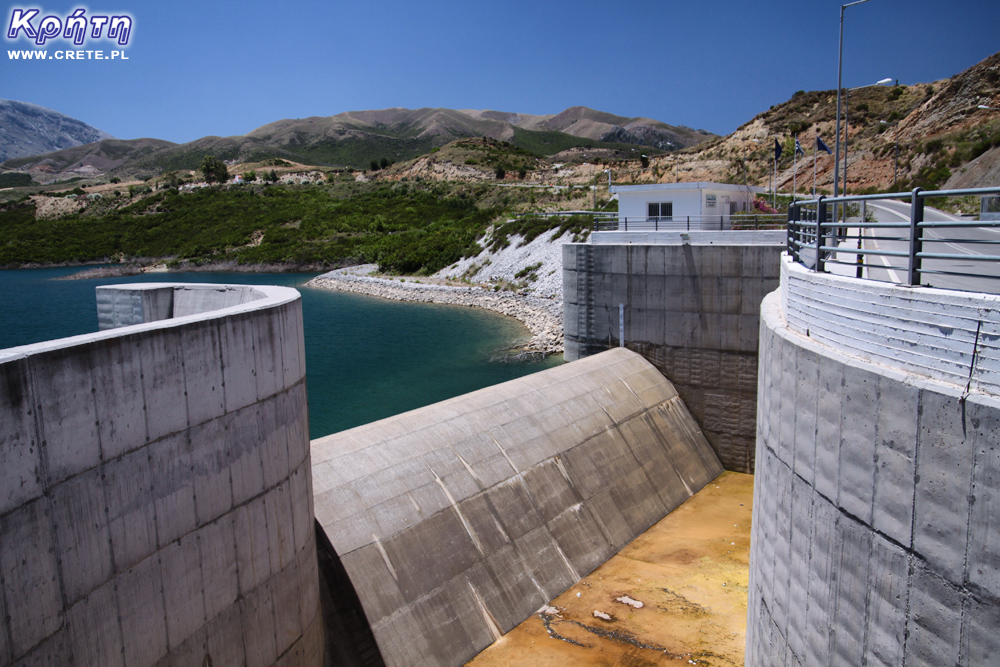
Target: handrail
<point>734,221</point>
<point>824,245</point>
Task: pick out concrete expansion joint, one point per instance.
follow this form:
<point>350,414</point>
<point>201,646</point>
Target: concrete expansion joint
<point>843,512</point>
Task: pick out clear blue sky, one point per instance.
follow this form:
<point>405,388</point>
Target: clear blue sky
<point>225,68</point>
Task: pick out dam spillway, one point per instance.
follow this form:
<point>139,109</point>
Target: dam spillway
<point>157,499</point>
<point>457,521</point>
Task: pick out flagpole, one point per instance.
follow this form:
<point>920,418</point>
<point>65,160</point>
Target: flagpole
<point>815,158</point>
<point>795,168</point>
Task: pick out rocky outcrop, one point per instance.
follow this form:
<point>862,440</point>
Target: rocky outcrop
<point>28,129</point>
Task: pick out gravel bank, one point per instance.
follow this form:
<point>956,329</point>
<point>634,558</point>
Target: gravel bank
<point>542,316</point>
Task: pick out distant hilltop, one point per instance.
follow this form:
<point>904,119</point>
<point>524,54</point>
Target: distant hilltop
<point>355,138</point>
<point>28,129</point>
<point>929,135</point>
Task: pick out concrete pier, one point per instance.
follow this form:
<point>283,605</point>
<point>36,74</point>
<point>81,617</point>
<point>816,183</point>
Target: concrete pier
<point>457,521</point>
<point>877,493</point>
<point>687,302</point>
<point>155,497</point>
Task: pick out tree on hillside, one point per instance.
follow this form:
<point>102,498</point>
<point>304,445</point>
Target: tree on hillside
<point>214,169</point>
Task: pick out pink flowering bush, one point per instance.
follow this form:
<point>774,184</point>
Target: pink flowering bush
<point>761,205</point>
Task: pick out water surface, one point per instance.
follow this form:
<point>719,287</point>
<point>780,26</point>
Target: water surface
<point>366,358</point>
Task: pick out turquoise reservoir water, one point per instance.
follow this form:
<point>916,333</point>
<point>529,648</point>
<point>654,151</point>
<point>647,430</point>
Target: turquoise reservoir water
<point>366,358</point>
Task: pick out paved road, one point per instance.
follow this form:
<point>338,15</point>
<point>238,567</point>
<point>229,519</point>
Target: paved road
<point>966,241</point>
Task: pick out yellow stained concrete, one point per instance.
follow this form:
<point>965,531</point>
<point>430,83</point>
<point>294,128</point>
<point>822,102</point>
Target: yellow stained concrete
<point>689,571</point>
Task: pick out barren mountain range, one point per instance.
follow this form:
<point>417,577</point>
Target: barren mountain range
<point>931,134</point>
<point>355,138</point>
<point>28,129</point>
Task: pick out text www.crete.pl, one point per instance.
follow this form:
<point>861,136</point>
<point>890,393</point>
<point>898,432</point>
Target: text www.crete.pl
<point>67,55</point>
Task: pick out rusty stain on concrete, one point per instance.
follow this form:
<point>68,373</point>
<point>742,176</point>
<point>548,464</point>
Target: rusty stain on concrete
<point>689,571</point>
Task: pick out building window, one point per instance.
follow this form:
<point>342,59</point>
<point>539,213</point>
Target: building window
<point>661,211</point>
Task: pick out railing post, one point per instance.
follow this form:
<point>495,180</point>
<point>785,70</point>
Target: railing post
<point>789,244</point>
<point>689,223</point>
<point>916,236</point>
<point>820,218</point>
<point>626,223</point>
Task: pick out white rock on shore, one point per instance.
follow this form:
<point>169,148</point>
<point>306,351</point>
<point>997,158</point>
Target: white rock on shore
<point>538,305</point>
<point>505,264</point>
<point>542,316</point>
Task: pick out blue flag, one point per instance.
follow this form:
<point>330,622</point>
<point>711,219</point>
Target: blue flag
<point>798,148</point>
<point>777,150</point>
<point>820,146</point>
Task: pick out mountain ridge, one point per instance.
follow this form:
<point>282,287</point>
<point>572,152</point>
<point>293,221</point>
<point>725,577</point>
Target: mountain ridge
<point>31,129</point>
<point>354,138</point>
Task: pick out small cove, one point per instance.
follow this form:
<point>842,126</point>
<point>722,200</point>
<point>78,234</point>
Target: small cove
<point>366,358</point>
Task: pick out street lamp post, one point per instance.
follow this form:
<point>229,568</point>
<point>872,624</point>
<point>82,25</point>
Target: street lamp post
<point>840,71</point>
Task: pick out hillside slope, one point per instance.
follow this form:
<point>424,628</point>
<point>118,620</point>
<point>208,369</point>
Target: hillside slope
<point>898,137</point>
<point>356,138</point>
<point>29,129</point>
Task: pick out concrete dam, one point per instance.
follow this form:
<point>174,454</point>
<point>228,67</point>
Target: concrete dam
<point>457,521</point>
<point>690,304</point>
<point>160,504</point>
<point>876,530</point>
<point>156,505</point>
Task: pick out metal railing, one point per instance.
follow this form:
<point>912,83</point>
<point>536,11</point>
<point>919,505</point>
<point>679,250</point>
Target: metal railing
<point>952,253</point>
<point>736,221</point>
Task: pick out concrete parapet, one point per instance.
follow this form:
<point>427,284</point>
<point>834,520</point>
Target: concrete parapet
<point>876,505</point>
<point>765,237</point>
<point>155,501</point>
<point>691,310</point>
<point>124,305</point>
<point>457,521</point>
<point>944,334</point>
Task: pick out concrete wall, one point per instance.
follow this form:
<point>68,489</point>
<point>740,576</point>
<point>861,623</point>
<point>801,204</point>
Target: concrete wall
<point>876,526</point>
<point>123,305</point>
<point>155,500</point>
<point>691,310</point>
<point>457,521</point>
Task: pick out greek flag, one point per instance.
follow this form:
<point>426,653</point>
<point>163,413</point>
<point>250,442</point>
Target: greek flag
<point>798,148</point>
<point>820,146</point>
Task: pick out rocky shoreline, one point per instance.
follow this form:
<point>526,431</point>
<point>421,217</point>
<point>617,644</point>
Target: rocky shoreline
<point>542,316</point>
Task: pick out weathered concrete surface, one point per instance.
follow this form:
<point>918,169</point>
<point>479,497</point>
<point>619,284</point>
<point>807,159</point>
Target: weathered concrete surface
<point>877,498</point>
<point>155,502</point>
<point>692,311</point>
<point>688,572</point>
<point>943,334</point>
<point>457,521</point>
<point>123,305</point>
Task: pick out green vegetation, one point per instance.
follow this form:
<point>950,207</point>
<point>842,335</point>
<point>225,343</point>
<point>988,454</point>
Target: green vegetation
<point>214,170</point>
<point>14,179</point>
<point>404,230</point>
<point>530,226</point>
<point>542,142</point>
